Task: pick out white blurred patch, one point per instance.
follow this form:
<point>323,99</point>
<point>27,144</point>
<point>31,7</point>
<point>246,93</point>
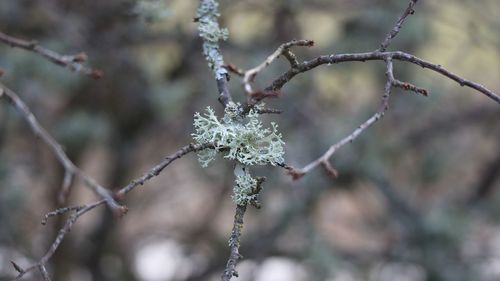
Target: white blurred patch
<point>246,269</point>
<point>162,261</point>
<point>489,270</point>
<point>281,269</point>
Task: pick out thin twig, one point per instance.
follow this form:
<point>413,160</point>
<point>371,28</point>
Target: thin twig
<point>397,27</point>
<point>234,244</point>
<point>57,241</point>
<point>284,49</point>
<point>82,209</point>
<point>156,170</point>
<point>324,159</point>
<point>269,111</point>
<point>44,273</point>
<point>73,62</point>
<point>61,211</point>
<point>234,69</point>
<point>279,82</point>
<point>69,166</point>
<point>410,87</point>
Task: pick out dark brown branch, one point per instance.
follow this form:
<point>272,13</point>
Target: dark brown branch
<point>73,62</point>
<point>234,244</point>
<point>397,27</point>
<point>70,168</point>
<point>279,82</point>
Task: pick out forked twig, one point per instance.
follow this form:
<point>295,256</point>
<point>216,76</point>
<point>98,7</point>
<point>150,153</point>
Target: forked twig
<point>73,62</point>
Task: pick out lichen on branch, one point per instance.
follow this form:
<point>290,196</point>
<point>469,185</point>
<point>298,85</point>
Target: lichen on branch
<point>211,33</point>
<point>240,138</point>
<point>243,139</point>
<point>245,186</point>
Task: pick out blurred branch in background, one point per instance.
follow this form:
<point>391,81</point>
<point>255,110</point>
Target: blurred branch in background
<point>70,169</point>
<point>73,62</point>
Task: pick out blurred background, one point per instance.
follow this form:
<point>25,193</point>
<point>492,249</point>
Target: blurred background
<point>417,194</point>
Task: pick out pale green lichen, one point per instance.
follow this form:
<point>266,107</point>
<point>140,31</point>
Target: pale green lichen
<point>211,33</point>
<point>243,139</point>
<point>245,186</point>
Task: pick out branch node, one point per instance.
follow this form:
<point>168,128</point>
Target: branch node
<point>329,169</point>
<point>296,174</point>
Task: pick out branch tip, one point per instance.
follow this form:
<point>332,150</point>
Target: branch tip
<point>17,267</point>
<point>73,62</point>
<point>329,169</point>
<point>120,211</point>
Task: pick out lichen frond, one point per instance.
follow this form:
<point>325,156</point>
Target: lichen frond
<point>242,139</point>
<point>245,186</point>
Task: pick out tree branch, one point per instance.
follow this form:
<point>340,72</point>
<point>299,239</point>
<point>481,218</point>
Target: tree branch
<point>397,26</point>
<point>324,159</point>
<point>234,244</point>
<point>156,170</point>
<point>284,49</point>
<point>44,273</point>
<point>59,238</point>
<point>70,168</point>
<point>73,62</point>
<point>211,34</point>
<point>82,209</point>
<point>279,82</point>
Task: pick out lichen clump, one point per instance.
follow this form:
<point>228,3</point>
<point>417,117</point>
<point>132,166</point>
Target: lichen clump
<point>243,139</point>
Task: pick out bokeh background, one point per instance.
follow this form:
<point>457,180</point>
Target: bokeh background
<point>417,194</point>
